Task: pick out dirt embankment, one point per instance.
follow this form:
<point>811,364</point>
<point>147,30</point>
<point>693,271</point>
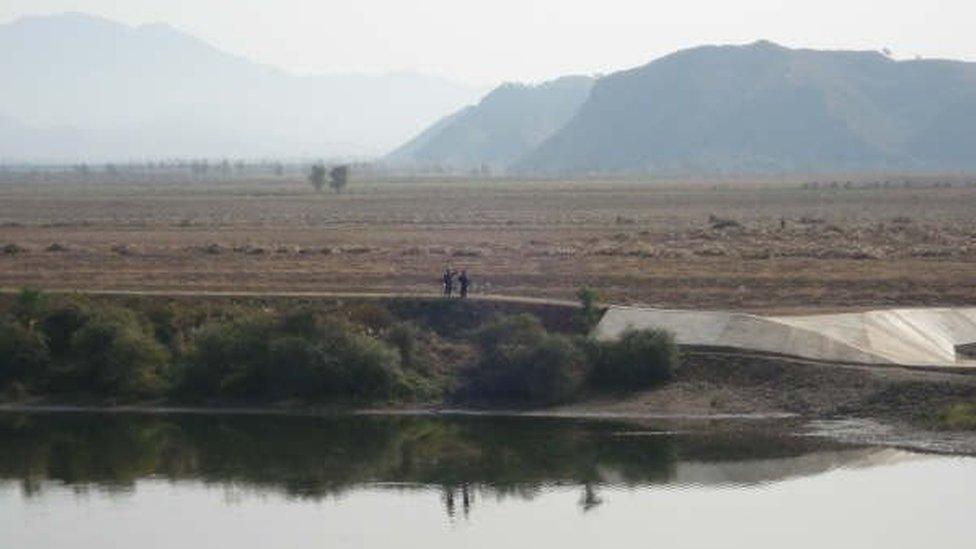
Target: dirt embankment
<point>864,404</point>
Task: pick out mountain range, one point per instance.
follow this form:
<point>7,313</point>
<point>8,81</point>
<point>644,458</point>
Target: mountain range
<point>758,108</point>
<point>82,87</point>
<point>508,123</point>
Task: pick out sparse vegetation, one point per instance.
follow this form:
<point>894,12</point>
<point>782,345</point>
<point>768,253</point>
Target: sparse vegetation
<point>538,239</point>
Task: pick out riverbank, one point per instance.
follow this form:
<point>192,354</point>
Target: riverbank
<point>882,406</point>
<point>224,355</point>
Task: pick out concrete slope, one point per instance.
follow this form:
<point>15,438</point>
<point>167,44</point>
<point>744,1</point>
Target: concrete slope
<point>900,336</point>
<point>917,337</point>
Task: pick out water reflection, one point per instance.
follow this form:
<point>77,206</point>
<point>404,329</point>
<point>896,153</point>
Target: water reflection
<point>463,457</point>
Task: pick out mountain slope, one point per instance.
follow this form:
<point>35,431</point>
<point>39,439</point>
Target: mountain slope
<point>507,123</point>
<point>155,91</point>
<point>763,108</point>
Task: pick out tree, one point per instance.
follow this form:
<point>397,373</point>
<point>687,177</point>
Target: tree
<point>317,177</point>
<point>589,313</point>
<point>338,178</point>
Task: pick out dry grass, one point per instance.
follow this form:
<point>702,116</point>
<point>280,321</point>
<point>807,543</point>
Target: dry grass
<point>757,247</point>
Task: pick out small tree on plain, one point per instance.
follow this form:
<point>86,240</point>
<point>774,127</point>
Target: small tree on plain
<point>339,178</point>
<point>317,177</point>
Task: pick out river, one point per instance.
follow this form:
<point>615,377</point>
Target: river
<point>87,481</point>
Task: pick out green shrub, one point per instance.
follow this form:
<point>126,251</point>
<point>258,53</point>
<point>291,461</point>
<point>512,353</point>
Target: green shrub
<point>958,417</point>
<point>303,322</point>
<point>519,361</point>
<point>225,355</point>
<point>116,352</point>
<point>404,336</point>
<point>28,306</point>
<point>296,367</point>
<point>60,323</point>
<point>639,359</point>
<point>374,316</point>
<point>298,355</point>
<point>24,356</point>
<point>370,369</point>
<point>589,313</point>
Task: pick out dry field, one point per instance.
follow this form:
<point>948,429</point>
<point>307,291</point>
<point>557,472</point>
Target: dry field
<point>767,247</point>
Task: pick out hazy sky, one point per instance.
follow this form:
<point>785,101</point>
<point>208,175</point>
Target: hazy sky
<point>495,40</point>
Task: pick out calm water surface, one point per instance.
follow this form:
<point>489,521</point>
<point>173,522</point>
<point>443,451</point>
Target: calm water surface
<point>103,481</point>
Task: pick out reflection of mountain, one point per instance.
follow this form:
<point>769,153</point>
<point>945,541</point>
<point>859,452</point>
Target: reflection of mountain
<point>316,457</point>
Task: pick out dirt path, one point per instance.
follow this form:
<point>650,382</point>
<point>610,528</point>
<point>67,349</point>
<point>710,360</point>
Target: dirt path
<point>301,295</point>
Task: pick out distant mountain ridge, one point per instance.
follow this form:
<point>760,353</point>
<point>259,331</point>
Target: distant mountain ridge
<point>763,108</point>
<point>510,121</point>
<point>85,87</point>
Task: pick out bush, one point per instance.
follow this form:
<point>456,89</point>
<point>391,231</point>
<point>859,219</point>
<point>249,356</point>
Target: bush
<point>27,306</point>
<point>958,417</point>
<point>60,323</point>
<point>225,354</point>
<point>370,367</point>
<point>589,314</point>
<point>295,367</point>
<point>639,359</point>
<point>118,356</point>
<point>300,355</point>
<point>403,336</point>
<point>24,356</point>
<point>302,322</point>
<point>375,317</point>
<point>519,361</point>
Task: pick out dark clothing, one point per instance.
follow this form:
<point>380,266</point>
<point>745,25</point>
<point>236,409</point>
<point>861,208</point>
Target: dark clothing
<point>463,280</point>
<point>448,283</point>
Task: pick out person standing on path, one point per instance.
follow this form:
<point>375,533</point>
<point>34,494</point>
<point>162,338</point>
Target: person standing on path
<point>448,280</point>
<point>463,280</point>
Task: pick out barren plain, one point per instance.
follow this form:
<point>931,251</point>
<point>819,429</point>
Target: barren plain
<point>760,246</point>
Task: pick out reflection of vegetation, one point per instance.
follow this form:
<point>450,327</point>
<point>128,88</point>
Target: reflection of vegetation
<point>319,457</point>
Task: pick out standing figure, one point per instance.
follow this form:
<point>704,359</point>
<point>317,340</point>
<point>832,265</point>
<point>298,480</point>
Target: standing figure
<point>463,280</point>
<point>448,282</point>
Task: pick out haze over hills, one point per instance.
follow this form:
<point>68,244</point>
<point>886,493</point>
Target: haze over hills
<point>763,108</point>
<point>81,87</point>
<point>509,122</point>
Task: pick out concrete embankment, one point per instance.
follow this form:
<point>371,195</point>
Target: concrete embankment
<point>908,337</point>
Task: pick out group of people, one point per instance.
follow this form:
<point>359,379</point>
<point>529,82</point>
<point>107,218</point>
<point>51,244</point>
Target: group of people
<point>462,280</point>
